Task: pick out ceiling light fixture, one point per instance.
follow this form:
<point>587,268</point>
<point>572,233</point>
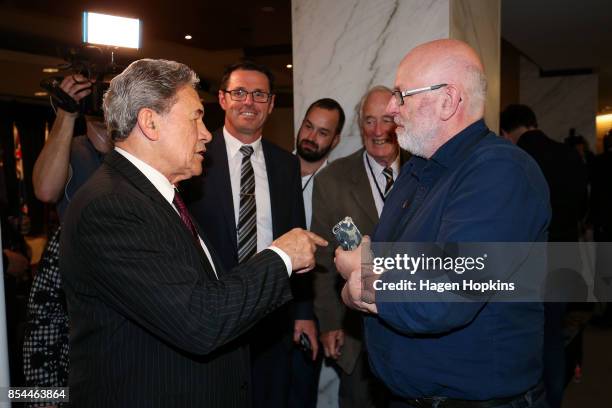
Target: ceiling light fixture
<point>188,37</point>
<point>50,70</point>
<point>41,93</point>
<point>289,66</point>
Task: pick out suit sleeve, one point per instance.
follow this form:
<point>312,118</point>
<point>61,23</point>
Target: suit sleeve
<point>301,285</point>
<point>143,274</point>
<point>327,304</point>
<point>512,199</point>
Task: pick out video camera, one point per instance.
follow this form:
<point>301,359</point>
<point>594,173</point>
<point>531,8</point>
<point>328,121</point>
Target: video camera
<point>94,64</point>
<point>95,60</point>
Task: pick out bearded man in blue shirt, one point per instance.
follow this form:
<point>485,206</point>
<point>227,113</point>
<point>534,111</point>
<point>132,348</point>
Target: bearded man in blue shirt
<point>463,184</point>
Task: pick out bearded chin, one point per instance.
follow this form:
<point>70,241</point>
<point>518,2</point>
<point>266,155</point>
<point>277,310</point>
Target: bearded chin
<point>414,142</point>
<point>312,156</point>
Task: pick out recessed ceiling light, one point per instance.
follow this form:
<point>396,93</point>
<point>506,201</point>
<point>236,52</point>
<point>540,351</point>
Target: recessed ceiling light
<point>41,93</point>
<point>188,37</point>
<point>289,66</point>
<point>50,70</point>
<point>268,9</point>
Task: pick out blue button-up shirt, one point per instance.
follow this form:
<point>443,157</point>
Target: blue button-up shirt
<point>476,188</point>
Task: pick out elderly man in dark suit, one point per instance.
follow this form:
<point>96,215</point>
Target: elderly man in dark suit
<point>354,186</point>
<point>250,193</point>
<point>152,307</point>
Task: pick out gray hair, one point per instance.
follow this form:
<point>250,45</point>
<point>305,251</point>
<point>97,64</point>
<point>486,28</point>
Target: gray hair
<point>146,83</point>
<point>364,98</point>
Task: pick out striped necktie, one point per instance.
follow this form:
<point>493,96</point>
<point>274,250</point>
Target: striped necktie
<point>388,173</point>
<point>247,216</point>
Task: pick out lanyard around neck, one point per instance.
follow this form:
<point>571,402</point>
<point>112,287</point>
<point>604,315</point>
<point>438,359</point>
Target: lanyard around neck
<point>310,178</point>
<point>382,196</point>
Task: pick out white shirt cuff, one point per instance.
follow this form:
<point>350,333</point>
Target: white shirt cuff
<point>284,257</point>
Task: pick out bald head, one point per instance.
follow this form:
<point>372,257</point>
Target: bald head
<point>452,62</point>
<point>447,109</point>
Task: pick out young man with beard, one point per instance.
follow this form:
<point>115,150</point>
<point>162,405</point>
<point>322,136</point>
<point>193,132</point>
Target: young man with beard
<point>355,186</point>
<point>317,136</point>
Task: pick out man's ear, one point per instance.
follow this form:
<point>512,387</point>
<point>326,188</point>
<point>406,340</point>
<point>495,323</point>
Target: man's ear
<point>336,140</point>
<point>146,122</point>
<point>222,100</point>
<point>450,102</point>
<point>271,104</point>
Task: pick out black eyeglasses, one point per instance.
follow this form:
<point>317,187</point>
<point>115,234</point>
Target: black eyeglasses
<point>241,95</point>
<point>400,95</point>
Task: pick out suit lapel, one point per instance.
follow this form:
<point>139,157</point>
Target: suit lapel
<point>142,183</point>
<point>219,176</point>
<point>360,189</point>
<point>274,181</point>
<point>135,176</point>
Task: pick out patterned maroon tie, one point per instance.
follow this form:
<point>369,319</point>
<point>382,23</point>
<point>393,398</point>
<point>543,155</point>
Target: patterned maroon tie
<point>184,214</point>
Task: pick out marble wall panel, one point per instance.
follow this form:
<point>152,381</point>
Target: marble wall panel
<point>561,102</point>
<point>341,48</point>
<point>478,22</point>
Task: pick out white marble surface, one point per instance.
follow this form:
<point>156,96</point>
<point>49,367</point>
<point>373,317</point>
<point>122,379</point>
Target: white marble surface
<point>561,102</point>
<point>341,48</point>
<point>478,22</point>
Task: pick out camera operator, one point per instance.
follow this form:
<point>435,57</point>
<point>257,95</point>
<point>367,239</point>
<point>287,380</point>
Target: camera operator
<point>64,164</point>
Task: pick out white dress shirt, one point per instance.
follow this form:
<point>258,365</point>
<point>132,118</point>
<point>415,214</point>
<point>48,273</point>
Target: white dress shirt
<point>262,190</point>
<point>307,184</point>
<point>379,179</point>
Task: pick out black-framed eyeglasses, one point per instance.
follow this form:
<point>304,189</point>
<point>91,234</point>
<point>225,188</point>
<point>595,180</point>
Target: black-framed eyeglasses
<point>241,95</point>
<point>400,95</point>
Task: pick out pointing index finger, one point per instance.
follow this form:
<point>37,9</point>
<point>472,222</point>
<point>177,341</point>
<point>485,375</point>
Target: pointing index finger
<point>317,239</point>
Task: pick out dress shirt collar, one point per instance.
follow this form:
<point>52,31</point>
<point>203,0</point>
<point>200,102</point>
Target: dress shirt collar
<point>159,181</point>
<point>451,152</point>
<point>377,168</point>
<point>233,145</point>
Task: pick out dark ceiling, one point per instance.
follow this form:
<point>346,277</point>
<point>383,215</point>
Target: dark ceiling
<point>214,25</point>
<point>555,34</point>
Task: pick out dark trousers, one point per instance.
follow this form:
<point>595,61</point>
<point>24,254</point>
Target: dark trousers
<point>360,389</point>
<point>304,386</point>
<point>554,353</point>
<point>270,373</point>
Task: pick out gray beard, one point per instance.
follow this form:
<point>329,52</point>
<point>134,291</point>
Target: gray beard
<point>410,143</point>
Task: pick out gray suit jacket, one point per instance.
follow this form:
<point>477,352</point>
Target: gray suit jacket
<point>341,189</point>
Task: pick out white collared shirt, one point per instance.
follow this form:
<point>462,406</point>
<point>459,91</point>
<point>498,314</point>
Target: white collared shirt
<point>377,170</point>
<point>161,183</point>
<point>308,182</point>
<point>262,189</point>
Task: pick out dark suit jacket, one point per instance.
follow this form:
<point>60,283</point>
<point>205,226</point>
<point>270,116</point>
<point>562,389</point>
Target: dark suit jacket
<point>341,189</point>
<point>149,319</point>
<point>210,201</point>
<point>567,179</point>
